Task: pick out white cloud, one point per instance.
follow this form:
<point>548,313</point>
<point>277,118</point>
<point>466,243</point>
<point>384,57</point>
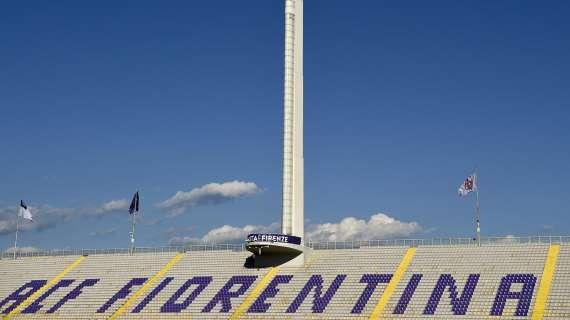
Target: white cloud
<point>5,227</point>
<point>182,241</point>
<point>177,230</point>
<point>379,226</point>
<point>103,233</point>
<point>22,250</point>
<point>45,217</point>
<point>212,193</point>
<point>226,234</point>
<point>7,220</point>
<point>113,205</point>
<point>153,222</point>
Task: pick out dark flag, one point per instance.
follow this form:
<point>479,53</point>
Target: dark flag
<point>134,208</point>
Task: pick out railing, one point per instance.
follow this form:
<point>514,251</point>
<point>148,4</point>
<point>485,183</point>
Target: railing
<point>79,252</point>
<point>327,245</point>
<point>356,244</point>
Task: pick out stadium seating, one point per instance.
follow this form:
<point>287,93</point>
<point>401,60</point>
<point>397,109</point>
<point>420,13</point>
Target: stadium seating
<point>494,281</point>
<point>559,297</point>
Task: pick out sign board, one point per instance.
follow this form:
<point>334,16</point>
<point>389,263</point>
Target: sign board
<point>270,237</point>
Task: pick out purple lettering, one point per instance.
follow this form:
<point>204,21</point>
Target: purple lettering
<point>408,294</point>
<point>73,294</point>
<point>122,294</point>
<point>458,305</point>
<point>21,294</point>
<point>373,280</point>
<point>153,294</point>
<point>319,302</point>
<point>36,305</point>
<point>225,295</point>
<point>172,306</point>
<point>524,297</point>
<point>259,306</point>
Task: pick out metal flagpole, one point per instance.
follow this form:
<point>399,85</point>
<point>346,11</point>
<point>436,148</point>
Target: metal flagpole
<point>133,223</point>
<point>477,206</point>
<point>17,229</point>
<point>133,233</point>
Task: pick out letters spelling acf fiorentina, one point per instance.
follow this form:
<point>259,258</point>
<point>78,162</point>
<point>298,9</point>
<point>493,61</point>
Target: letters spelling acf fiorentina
<point>512,287</point>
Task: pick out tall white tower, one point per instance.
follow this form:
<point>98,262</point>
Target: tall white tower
<point>288,247</point>
<point>293,177</point>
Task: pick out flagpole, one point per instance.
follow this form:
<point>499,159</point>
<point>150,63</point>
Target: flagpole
<point>17,229</point>
<point>477,207</point>
<point>133,222</point>
<point>134,211</point>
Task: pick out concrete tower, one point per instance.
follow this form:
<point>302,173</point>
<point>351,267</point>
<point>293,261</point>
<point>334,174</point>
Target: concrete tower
<point>293,176</point>
<point>288,247</point>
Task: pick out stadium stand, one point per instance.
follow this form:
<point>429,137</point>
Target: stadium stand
<point>499,280</point>
<point>559,296</point>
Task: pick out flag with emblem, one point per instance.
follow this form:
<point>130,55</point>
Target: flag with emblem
<point>468,186</point>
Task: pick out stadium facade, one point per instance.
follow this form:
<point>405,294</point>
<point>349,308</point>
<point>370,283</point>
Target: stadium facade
<point>503,279</point>
<point>283,276</point>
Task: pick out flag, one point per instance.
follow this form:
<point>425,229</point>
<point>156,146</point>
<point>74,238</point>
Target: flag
<point>468,186</point>
<point>24,212</point>
<point>134,207</point>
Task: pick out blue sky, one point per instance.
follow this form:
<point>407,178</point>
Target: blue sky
<point>402,100</point>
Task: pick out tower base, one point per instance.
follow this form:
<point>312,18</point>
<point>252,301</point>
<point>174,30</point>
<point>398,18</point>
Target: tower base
<point>271,250</point>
